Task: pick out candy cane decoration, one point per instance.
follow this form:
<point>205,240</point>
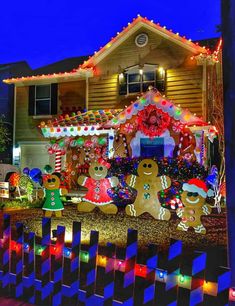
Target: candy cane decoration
<point>58,155</point>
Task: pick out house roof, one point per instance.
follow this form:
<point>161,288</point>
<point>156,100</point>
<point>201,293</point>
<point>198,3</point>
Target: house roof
<point>131,28</point>
<point>69,68</point>
<point>64,65</point>
<point>155,98</point>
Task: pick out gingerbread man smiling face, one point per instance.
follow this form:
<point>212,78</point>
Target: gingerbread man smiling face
<point>148,185</point>
<point>147,167</point>
<point>98,171</point>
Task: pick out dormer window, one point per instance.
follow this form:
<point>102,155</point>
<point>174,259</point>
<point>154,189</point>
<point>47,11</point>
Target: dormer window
<point>137,79</point>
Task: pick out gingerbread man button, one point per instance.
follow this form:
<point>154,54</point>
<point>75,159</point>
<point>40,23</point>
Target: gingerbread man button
<point>98,185</point>
<point>148,185</point>
<point>193,197</point>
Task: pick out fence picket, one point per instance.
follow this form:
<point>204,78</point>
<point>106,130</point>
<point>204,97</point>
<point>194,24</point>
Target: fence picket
<point>19,260</point>
<point>29,290</point>
<point>92,267</point>
<point>149,290</point>
<point>58,266</point>
<point>130,261</point>
<point>6,257</point>
<point>46,262</point>
<point>109,274</point>
<point>224,281</point>
<point>198,274</point>
<point>75,263</point>
<point>173,265</point>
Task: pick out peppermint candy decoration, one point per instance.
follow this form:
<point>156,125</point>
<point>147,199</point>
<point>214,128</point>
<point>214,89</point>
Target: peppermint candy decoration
<point>128,128</point>
<point>177,127</point>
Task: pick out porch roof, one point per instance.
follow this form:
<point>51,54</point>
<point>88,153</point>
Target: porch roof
<point>161,102</point>
<point>87,123</point>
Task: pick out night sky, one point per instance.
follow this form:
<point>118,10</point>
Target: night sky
<point>45,31</point>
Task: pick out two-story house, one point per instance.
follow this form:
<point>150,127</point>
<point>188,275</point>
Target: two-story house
<point>143,54</point>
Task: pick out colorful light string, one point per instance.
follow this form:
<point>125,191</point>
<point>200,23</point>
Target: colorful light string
<point>183,281</point>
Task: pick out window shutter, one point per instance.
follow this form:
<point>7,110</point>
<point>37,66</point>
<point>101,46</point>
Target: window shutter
<point>161,81</point>
<point>31,103</point>
<point>54,97</point>
<point>123,85</point>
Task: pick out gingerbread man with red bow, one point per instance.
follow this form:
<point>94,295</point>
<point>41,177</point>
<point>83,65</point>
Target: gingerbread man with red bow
<point>98,185</point>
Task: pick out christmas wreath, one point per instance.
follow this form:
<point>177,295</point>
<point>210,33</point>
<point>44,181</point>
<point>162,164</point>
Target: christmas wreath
<point>152,121</point>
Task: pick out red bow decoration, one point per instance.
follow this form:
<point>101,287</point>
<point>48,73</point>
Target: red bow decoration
<point>104,163</point>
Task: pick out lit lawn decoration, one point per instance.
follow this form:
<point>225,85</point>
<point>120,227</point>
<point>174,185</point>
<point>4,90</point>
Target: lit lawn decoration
<point>98,185</point>
<point>148,185</point>
<point>24,183</point>
<point>193,198</point>
<point>53,203</point>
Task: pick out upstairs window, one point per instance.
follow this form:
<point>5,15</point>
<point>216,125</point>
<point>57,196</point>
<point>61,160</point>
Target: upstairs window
<point>43,100</point>
<point>136,80</point>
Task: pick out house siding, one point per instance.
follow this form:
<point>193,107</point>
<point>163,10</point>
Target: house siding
<point>25,129</point>
<point>184,87</point>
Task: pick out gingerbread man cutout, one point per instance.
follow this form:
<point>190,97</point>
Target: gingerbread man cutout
<point>97,185</point>
<point>52,193</point>
<point>193,197</point>
<point>147,186</point>
<point>187,145</point>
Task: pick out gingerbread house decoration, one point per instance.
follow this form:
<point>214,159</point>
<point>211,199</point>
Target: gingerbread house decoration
<point>155,127</point>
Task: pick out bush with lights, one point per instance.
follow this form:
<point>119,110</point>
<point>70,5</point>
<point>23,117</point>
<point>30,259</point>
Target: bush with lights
<point>178,169</point>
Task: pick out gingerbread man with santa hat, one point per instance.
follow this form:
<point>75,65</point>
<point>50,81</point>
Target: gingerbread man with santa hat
<point>193,198</point>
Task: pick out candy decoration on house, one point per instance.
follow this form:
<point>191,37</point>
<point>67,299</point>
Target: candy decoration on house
<point>59,150</point>
<point>193,198</point>
<point>153,121</point>
<point>58,155</point>
<point>187,145</point>
<point>98,185</point>
<point>52,193</point>
<point>148,185</point>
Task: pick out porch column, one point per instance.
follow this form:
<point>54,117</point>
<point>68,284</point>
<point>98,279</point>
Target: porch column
<point>87,93</point>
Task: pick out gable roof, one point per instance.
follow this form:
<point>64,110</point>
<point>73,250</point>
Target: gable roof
<point>78,67</point>
<point>155,98</point>
<point>131,28</point>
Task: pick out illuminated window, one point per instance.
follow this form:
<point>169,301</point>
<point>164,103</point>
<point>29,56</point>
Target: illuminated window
<point>138,79</point>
